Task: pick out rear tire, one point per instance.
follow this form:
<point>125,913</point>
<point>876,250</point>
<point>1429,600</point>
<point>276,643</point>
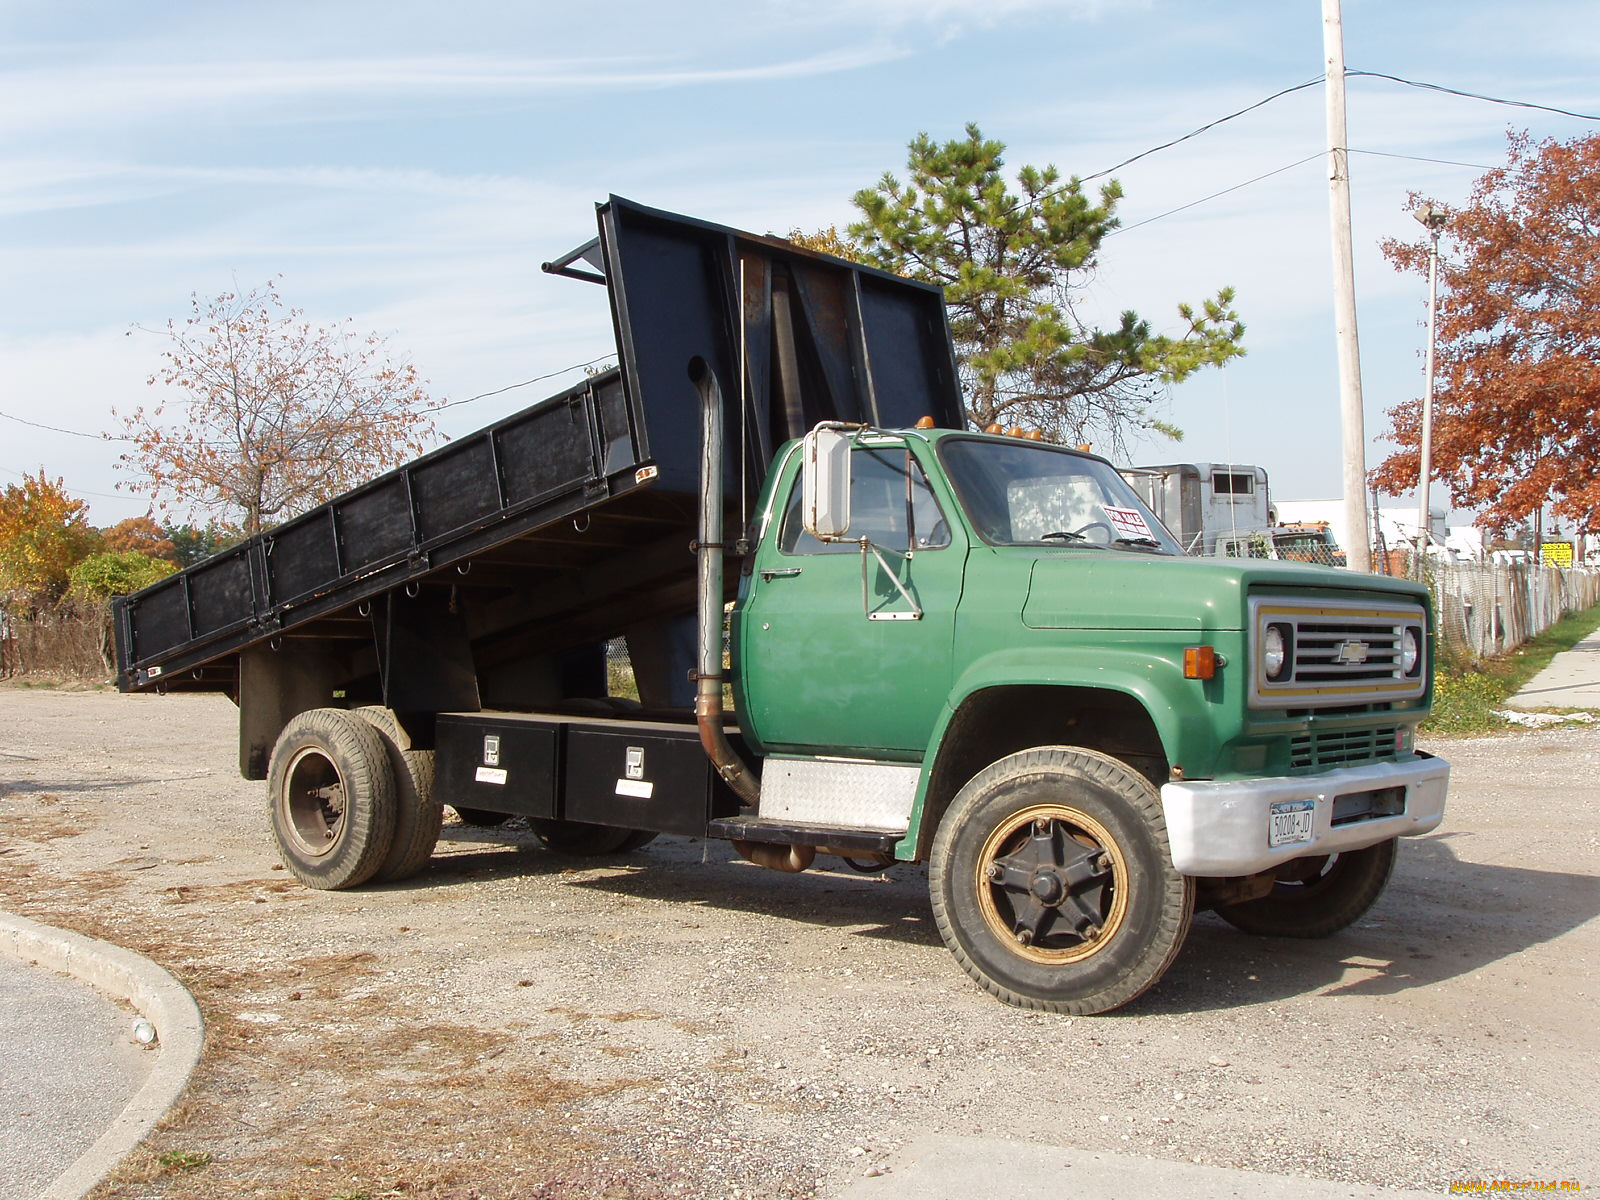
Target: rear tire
<point>1319,897</point>
<point>583,840</point>
<point>418,815</point>
<point>1053,885</point>
<point>332,797</point>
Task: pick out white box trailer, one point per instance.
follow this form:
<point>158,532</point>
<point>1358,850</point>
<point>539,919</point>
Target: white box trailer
<point>1204,502</point>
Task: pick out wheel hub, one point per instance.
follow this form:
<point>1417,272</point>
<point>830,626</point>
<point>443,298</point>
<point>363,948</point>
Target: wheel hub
<point>1047,888</point>
<point>1052,884</point>
<point>314,803</point>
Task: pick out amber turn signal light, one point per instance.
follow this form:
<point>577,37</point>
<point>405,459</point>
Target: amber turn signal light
<point>1199,662</point>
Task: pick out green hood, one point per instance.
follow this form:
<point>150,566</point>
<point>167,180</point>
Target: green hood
<point>1079,588</point>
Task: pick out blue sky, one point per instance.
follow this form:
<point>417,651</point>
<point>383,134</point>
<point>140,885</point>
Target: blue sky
<point>410,165</point>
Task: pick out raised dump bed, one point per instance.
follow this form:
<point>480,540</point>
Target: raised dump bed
<point>489,573</point>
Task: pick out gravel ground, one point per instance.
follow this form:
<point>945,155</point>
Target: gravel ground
<point>675,1021</point>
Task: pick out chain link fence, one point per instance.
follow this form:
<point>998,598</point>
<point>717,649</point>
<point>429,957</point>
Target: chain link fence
<point>1486,609</point>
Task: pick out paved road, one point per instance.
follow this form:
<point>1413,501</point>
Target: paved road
<point>68,1066</point>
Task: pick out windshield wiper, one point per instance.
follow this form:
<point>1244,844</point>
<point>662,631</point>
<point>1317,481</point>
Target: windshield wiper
<point>1062,533</point>
<point>1138,541</point>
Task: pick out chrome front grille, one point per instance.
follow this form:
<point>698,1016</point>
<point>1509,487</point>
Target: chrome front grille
<point>1344,651</point>
<point>1338,653</point>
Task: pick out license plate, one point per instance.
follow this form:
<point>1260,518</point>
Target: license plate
<point>1291,821</point>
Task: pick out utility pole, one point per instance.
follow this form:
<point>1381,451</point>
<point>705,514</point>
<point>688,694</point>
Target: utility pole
<point>1433,219</point>
<point>1358,554</point>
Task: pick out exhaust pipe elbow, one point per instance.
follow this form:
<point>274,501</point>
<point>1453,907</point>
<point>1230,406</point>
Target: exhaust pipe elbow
<point>777,857</point>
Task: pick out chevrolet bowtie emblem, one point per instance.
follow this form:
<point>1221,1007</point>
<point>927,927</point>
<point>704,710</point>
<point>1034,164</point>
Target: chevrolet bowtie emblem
<point>1353,652</point>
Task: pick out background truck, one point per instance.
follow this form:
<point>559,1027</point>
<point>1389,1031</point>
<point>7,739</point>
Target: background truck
<point>1226,509</point>
<point>980,651</point>
<point>1204,503</point>
<point>1298,541</point>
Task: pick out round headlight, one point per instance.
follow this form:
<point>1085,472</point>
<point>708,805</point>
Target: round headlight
<point>1410,651</point>
<point>1273,656</point>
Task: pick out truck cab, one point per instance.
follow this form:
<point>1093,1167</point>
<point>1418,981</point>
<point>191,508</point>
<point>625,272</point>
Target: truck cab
<point>1003,618</point>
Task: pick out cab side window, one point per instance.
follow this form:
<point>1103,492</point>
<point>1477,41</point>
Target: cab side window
<point>890,504</point>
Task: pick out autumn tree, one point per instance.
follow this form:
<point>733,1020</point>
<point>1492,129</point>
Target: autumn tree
<point>43,533</point>
<point>1517,342</point>
<point>829,241</point>
<point>272,414</point>
<point>139,535</point>
<point>1013,267</point>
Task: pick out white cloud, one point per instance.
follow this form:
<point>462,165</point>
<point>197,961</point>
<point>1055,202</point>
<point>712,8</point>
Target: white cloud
<point>121,93</point>
<point>950,15</point>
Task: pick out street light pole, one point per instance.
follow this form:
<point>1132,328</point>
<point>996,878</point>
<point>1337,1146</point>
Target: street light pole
<point>1433,219</point>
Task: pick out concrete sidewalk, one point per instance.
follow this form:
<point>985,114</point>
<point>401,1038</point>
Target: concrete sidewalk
<point>1572,680</point>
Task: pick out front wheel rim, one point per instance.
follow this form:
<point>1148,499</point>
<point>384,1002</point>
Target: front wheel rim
<point>1052,884</point>
<point>314,803</point>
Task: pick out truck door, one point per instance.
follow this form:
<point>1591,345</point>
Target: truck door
<point>829,661</point>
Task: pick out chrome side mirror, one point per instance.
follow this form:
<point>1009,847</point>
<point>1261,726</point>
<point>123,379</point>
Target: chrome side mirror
<point>825,483</point>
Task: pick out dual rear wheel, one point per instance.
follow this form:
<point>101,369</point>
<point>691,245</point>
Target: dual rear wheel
<point>352,802</point>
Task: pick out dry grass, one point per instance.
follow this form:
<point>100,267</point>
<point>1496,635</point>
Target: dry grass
<point>378,1102</point>
<point>318,1081</point>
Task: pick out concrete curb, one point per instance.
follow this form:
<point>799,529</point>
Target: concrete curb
<point>155,995</point>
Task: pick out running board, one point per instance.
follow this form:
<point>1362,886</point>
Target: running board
<point>794,833</point>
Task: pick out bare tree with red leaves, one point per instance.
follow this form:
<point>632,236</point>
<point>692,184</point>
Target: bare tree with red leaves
<point>1518,366</point>
<point>276,414</point>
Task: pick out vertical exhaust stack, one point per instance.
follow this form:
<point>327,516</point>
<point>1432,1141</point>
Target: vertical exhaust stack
<point>708,710</point>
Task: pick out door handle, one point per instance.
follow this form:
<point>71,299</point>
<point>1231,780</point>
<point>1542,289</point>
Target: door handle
<point>771,573</point>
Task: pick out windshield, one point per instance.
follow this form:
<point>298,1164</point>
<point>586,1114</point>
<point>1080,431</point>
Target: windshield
<point>1024,494</point>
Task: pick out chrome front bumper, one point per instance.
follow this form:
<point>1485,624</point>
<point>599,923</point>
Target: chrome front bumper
<point>1219,828</point>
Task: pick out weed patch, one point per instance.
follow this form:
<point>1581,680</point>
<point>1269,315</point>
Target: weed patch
<point>1468,695</point>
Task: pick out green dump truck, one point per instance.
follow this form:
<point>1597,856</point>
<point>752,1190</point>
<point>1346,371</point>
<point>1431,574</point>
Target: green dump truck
<point>979,651</point>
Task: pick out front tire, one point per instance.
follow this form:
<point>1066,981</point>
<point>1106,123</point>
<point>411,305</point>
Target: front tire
<point>332,798</point>
<point>1053,885</point>
<point>1317,897</point>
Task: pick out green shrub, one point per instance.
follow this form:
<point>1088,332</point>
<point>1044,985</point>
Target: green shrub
<point>1465,701</point>
<point>101,576</point>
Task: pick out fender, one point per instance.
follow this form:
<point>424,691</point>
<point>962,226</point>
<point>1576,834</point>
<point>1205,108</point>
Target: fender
<point>1192,718</point>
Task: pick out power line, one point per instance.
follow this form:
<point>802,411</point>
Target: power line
<point>526,382</point>
<point>1203,199</point>
<point>98,437</point>
<point>1443,162</point>
<point>107,437</point>
<point>1449,91</point>
<point>72,492</point>
<point>1193,133</point>
<point>1299,87</point>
